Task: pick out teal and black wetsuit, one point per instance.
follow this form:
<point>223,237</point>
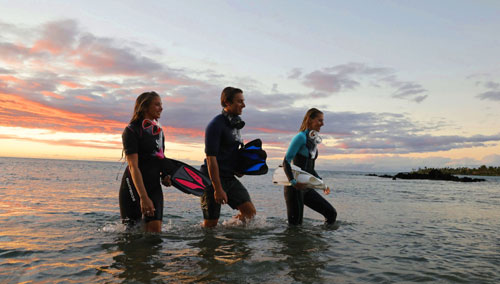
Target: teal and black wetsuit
<point>303,152</point>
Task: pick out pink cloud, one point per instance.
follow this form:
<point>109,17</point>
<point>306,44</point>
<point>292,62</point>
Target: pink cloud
<point>56,37</point>
<point>18,111</point>
<point>52,94</point>
<point>69,84</point>
<point>10,78</point>
<point>269,130</point>
<point>173,99</point>
<point>85,98</point>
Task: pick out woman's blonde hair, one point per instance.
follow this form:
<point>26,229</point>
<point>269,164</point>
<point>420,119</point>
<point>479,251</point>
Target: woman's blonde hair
<point>142,103</point>
<point>311,114</point>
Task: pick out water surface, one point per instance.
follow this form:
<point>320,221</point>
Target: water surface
<point>60,223</point>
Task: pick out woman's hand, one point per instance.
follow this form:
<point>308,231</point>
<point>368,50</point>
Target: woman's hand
<point>327,190</point>
<point>167,181</point>
<point>147,207</point>
<point>220,196</point>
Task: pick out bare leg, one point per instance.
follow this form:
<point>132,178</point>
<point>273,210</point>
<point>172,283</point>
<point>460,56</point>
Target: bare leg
<point>153,226</point>
<point>209,223</point>
<point>247,211</point>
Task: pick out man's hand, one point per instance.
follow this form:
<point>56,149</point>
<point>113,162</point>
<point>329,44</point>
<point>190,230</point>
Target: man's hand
<point>220,196</point>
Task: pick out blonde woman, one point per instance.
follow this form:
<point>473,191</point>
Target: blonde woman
<point>303,152</point>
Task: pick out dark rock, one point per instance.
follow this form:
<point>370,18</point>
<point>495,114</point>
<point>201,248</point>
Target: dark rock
<point>436,175</point>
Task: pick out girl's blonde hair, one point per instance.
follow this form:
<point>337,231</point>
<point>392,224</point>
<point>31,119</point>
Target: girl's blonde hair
<point>311,114</point>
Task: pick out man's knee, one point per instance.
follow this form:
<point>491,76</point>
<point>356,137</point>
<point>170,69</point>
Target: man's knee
<point>209,223</point>
<point>247,209</point>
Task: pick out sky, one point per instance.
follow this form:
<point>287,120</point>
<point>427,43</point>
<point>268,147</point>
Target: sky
<point>402,84</point>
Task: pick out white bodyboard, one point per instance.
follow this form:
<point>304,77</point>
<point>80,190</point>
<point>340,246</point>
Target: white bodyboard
<point>280,178</point>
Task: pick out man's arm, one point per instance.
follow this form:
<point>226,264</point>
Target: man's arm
<point>213,171</point>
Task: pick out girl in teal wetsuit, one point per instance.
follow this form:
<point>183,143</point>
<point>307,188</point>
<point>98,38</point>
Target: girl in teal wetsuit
<point>303,152</point>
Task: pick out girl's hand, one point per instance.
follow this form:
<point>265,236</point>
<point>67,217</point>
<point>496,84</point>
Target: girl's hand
<point>327,190</point>
<point>167,181</point>
<point>147,207</point>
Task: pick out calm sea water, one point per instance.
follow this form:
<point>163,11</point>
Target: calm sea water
<point>60,223</point>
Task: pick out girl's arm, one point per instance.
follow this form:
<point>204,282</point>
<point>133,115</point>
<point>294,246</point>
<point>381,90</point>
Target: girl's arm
<point>147,207</point>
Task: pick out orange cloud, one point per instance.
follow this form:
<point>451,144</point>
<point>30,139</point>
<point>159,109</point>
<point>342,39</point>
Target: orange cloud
<point>10,78</point>
<point>269,130</point>
<point>51,94</point>
<point>109,84</point>
<point>69,84</point>
<point>173,99</point>
<point>85,98</point>
<point>45,45</point>
<point>18,111</point>
<point>183,131</point>
<point>72,142</point>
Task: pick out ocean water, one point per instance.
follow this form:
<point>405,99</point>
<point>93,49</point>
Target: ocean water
<point>59,223</point>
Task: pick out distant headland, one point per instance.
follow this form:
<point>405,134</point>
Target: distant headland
<point>447,174</point>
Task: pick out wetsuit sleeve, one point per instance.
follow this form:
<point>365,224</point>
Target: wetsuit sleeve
<point>298,141</point>
<point>130,141</point>
<point>212,138</point>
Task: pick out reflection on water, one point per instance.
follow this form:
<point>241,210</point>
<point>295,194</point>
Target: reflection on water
<point>218,249</point>
<point>60,222</point>
<point>218,253</point>
<point>302,250</point>
<point>136,257</point>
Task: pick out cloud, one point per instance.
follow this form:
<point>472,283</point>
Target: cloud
<point>384,143</point>
<point>490,95</point>
<point>65,79</point>
<point>493,160</point>
<point>493,88</point>
<point>295,73</point>
<point>352,75</point>
<point>103,56</point>
<point>57,37</point>
<point>398,163</point>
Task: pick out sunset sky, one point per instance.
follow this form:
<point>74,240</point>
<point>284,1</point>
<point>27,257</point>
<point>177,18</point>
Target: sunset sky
<point>403,84</point>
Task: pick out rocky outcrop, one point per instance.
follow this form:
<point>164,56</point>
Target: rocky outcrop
<point>432,175</point>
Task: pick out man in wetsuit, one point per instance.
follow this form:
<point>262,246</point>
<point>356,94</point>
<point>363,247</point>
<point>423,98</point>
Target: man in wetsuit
<point>222,139</point>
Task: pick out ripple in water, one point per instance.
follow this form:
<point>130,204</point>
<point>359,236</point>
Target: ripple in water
<point>60,223</point>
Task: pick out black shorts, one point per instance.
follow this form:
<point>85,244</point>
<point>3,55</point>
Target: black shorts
<point>130,204</point>
<point>237,194</point>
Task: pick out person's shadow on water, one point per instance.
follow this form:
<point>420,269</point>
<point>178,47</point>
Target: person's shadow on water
<point>303,252</point>
<point>219,253</point>
<point>139,259</point>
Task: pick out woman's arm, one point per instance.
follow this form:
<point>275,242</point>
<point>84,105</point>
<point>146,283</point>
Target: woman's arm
<point>147,207</point>
<point>297,142</point>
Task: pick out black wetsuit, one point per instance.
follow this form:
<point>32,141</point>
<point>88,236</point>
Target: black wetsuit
<point>222,140</point>
<point>304,153</point>
<point>147,140</point>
